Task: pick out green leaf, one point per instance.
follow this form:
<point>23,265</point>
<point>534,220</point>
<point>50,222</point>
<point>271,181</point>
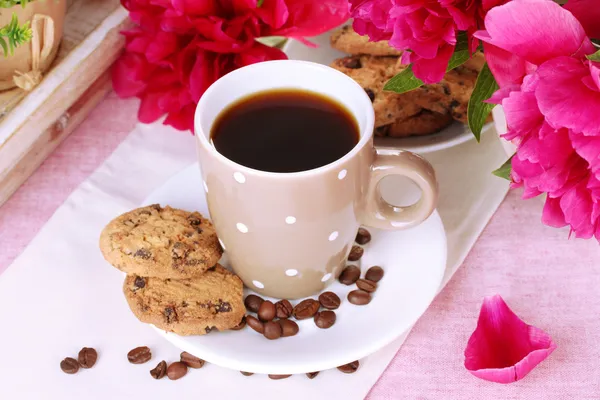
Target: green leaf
<point>461,51</point>
<point>505,169</point>
<point>259,3</point>
<point>4,46</point>
<point>272,41</point>
<point>478,111</point>
<point>594,57</point>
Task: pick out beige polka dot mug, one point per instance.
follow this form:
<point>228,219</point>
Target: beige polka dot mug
<point>288,235</point>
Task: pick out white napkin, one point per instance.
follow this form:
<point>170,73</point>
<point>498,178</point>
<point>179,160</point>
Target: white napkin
<point>60,295</point>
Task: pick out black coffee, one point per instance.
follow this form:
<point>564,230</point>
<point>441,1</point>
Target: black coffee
<point>285,130</point>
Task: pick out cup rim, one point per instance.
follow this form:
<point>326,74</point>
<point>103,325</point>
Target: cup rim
<point>365,137</point>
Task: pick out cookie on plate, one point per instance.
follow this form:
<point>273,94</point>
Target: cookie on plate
<point>424,123</point>
<point>193,306</point>
<point>348,41</point>
<point>161,242</point>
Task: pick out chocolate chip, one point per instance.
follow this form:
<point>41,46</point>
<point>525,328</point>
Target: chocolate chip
<point>69,365</point>
<point>329,300</point>
<point>253,302</point>
<point>359,297</point>
<point>363,236</point>
<point>283,309</point>
<point>351,62</point>
<point>273,376</point>
<point>272,330</point>
<point>241,325</point>
<point>356,253</point>
<point>87,357</point>
<point>374,274</point>
<point>288,327</point>
<point>371,94</point>
<point>156,207</point>
<point>159,371</point>
<point>349,368</point>
<point>325,319</point>
<point>180,250</point>
<point>255,324</point>
<point>306,309</point>
<point>366,285</point>
<point>144,254</point>
<point>139,355</point>
<point>191,361</point>
<point>312,375</point>
<point>140,282</point>
<point>194,221</point>
<point>266,311</point>
<point>454,104</point>
<point>349,275</point>
<point>177,370</point>
<point>247,373</point>
<point>209,329</point>
<point>446,90</point>
<point>223,307</point>
<point>170,314</point>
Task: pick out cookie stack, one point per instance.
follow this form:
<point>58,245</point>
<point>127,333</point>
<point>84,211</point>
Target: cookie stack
<point>173,279</point>
<point>423,111</point>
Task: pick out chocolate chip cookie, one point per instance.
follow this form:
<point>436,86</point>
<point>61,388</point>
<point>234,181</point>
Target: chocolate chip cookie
<point>193,306</point>
<point>161,242</point>
<point>348,41</point>
<point>424,123</point>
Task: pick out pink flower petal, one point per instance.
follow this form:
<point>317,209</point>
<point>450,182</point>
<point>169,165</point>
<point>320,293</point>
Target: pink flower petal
<point>506,67</point>
<point>588,14</point>
<point>503,348</point>
<point>311,18</point>
<point>553,214</point>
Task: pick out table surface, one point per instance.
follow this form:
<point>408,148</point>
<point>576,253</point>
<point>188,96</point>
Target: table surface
<point>550,281</point>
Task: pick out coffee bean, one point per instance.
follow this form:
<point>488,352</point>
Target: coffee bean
<point>284,309</point>
<point>359,297</point>
<point>329,300</point>
<point>191,361</point>
<point>363,236</point>
<point>177,370</point>
<point>349,368</point>
<point>306,309</point>
<point>69,365</point>
<point>288,327</point>
<point>255,324</point>
<point>356,253</point>
<point>349,275</point>
<point>272,330</point>
<point>241,325</point>
<point>312,375</point>
<point>87,357</point>
<point>139,355</point>
<point>159,371</point>
<point>366,285</point>
<point>247,373</point>
<point>272,376</point>
<point>374,274</point>
<point>266,311</point>
<point>253,302</point>
<point>325,319</point>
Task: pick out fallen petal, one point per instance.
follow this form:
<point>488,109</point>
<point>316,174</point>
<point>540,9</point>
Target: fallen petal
<point>503,348</point>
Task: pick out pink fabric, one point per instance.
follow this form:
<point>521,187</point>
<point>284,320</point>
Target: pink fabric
<point>551,282</point>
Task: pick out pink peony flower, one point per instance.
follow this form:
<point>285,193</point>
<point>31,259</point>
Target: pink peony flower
<point>551,96</point>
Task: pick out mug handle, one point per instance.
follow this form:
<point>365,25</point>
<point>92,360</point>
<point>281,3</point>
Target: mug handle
<point>379,213</point>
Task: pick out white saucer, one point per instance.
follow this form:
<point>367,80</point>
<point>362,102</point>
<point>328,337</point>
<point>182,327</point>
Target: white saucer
<point>414,263</point>
<point>453,135</point>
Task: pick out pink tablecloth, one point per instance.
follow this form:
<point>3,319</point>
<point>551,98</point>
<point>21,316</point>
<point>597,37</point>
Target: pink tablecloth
<point>548,280</point>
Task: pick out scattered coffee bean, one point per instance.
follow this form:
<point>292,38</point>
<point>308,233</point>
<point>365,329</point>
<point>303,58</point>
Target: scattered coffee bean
<point>374,274</point>
<point>288,327</point>
<point>349,275</point>
<point>191,361</point>
<point>349,368</point>
<point>159,371</point>
<point>272,376</point>
<point>359,297</point>
<point>266,311</point>
<point>240,326</point>
<point>253,302</point>
<point>325,319</point>
<point>177,370</point>
<point>312,375</point>
<point>69,365</point>
<point>87,357</point>
<point>255,324</point>
<point>366,285</point>
<point>139,355</point>
<point>356,253</point>
<point>272,330</point>
<point>363,236</point>
<point>329,300</point>
<point>306,309</point>
<point>284,309</point>
<point>247,373</point>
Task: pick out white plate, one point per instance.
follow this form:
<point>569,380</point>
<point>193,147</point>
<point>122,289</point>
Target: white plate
<point>454,135</point>
<point>414,263</point>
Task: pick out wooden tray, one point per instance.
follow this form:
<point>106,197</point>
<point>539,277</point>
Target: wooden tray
<point>32,125</point>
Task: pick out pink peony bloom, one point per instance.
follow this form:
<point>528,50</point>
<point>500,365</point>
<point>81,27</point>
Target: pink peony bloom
<point>551,96</point>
